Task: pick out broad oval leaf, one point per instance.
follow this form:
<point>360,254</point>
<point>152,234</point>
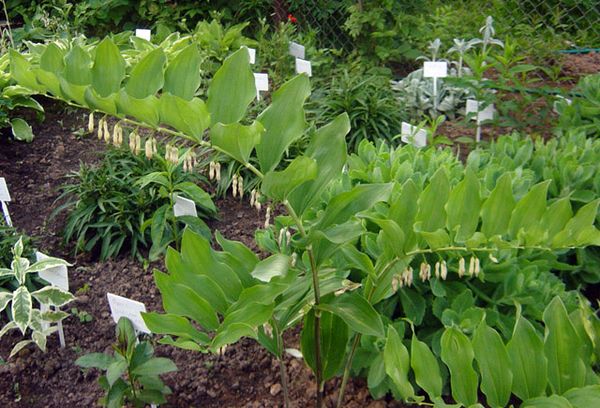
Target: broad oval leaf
<point>426,368</point>
<point>21,308</point>
<point>189,117</point>
<point>78,65</point>
<point>109,69</point>
<point>457,354</point>
<point>182,77</point>
<point>237,140</point>
<point>147,76</point>
<point>231,89</point>
<point>397,363</point>
<point>278,184</point>
<point>497,209</point>
<point>275,265</point>
<point>357,312</point>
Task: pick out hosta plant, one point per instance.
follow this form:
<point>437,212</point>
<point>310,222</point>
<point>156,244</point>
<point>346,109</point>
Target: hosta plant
<point>20,305</point>
<point>132,373</point>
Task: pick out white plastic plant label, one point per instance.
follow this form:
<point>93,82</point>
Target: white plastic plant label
<point>413,135</point>
<point>131,309</point>
<point>486,114</point>
<point>296,50</point>
<point>4,194</point>
<point>57,276</point>
<point>303,67</point>
<point>143,33</point>
<point>472,106</point>
<point>435,69</point>
<point>184,206</point>
<point>261,81</point>
<point>251,54</point>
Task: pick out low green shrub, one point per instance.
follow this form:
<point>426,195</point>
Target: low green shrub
<point>110,210</point>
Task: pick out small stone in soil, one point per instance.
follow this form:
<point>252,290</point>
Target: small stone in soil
<point>275,389</point>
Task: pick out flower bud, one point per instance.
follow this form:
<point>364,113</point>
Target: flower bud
<point>211,170</point>
<point>218,171</point>
<point>234,185</point>
<point>100,129</point>
<point>472,266</point>
<point>493,258</point>
<point>461,267</point>
<point>437,270</point>
<point>91,123</point>
<point>138,144</point>
<point>477,267</point>
<point>148,148</point>
<point>106,131</point>
<point>241,186</point>
<point>268,217</point>
<point>443,270</point>
<point>294,259</point>
<point>252,197</point>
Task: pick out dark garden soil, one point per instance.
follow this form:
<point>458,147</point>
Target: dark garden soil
<point>244,376</point>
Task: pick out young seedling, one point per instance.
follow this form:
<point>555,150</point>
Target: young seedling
<point>132,374</point>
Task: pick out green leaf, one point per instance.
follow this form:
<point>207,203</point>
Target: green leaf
<point>155,366</point>
<point>287,102</point>
<point>494,365</point>
<point>52,59</point>
<point>432,215</point>
<point>231,89</point>
<point>278,184</point>
<point>147,76</point>
<point>231,334</point>
<point>563,349</point>
<point>21,130</point>
<point>426,368</point>
<point>413,305</point>
<point>53,296</point>
<point>173,325</point>
<point>181,300</point>
<point>497,209</point>
<point>347,204</point>
<point>553,401</point>
<point>189,117</point>
<point>463,207</point>
<point>145,110</point>
<point>19,346</point>
<point>556,217</point>
<point>5,298</point>
<point>96,102</point>
<point>115,370</point>
<point>20,71</point>
<point>237,140</point>
<point>530,209</point>
<point>273,266</point>
<point>21,308</point>
<point>328,149</point>
<point>78,67</point>
<point>94,360</point>
<point>334,337</point>
<point>182,77</point>
<point>241,259</point>
<point>116,394</point>
<point>157,229</point>
<point>397,363</point>
<point>528,362</point>
<point>358,314</point>
<point>457,354</point>
<point>584,219</point>
<point>109,69</point>
<point>584,397</point>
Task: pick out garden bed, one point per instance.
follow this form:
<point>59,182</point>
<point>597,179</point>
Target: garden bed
<point>245,376</point>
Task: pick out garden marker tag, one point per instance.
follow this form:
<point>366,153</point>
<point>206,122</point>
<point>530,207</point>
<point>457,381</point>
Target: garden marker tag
<point>184,206</point>
<point>143,33</point>
<point>303,67</point>
<point>261,81</point>
<point>57,276</point>
<point>131,309</point>
<point>486,114</point>
<point>435,69</point>
<point>413,135</point>
<point>4,198</point>
<point>296,50</point>
<point>251,53</point>
<point>4,194</point>
<point>472,106</point>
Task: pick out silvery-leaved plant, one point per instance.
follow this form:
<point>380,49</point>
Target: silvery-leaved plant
<point>22,313</point>
<point>488,32</point>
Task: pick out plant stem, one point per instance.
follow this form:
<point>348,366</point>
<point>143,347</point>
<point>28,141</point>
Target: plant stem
<point>10,36</point>
<point>347,369</point>
<point>282,370</point>
<point>317,299</point>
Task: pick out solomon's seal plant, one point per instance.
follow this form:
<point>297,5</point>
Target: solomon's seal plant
<point>132,373</point>
<point>23,314</point>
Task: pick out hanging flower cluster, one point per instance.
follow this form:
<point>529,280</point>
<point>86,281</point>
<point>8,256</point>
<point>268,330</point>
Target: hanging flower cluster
<point>237,184</point>
<point>214,171</point>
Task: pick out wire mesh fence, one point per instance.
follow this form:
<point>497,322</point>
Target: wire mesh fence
<point>575,20</point>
